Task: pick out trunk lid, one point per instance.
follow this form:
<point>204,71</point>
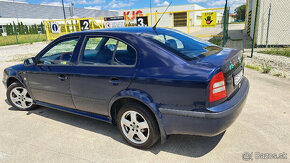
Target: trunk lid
<point>230,61</point>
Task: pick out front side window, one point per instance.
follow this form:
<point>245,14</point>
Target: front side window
<point>59,54</point>
<point>107,51</point>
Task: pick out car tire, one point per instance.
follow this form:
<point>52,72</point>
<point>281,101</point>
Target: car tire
<point>19,97</point>
<point>140,132</point>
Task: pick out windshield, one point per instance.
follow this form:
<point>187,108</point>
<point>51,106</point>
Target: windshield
<point>185,46</point>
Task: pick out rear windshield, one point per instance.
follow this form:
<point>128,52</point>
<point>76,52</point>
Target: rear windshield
<point>183,45</point>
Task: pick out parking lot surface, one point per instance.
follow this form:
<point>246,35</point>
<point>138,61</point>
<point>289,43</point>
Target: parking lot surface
<point>47,135</point>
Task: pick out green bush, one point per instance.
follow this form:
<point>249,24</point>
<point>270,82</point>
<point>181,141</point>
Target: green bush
<point>217,41</point>
<point>278,74</point>
<point>277,51</point>
<point>266,69</point>
<point>28,38</point>
<point>253,67</point>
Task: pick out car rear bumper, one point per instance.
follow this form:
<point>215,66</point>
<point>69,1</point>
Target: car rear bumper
<point>209,123</point>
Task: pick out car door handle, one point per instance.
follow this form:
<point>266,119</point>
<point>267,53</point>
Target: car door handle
<point>115,81</point>
<point>62,77</point>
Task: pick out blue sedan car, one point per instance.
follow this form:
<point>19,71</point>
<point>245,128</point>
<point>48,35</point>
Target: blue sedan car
<point>150,83</point>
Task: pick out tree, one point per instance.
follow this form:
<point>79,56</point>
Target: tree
<point>26,29</point>
<point>22,28</point>
<point>42,28</point>
<point>19,28</point>
<point>9,29</point>
<point>14,29</point>
<point>36,29</point>
<point>30,29</point>
<point>33,29</point>
<point>241,12</point>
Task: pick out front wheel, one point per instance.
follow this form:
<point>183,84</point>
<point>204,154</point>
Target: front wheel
<point>137,125</point>
<point>19,97</point>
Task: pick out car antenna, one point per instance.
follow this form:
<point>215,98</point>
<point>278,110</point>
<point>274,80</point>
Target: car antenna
<point>154,27</point>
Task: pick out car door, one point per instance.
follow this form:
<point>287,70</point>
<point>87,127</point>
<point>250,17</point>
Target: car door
<point>49,78</point>
<point>106,66</point>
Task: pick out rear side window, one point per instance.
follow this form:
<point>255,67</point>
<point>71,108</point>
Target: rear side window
<point>181,44</point>
<point>169,41</point>
<point>102,51</point>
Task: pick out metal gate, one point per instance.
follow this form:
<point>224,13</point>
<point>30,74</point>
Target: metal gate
<point>180,19</point>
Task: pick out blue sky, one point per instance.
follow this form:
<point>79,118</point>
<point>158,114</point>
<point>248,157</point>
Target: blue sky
<point>131,4</point>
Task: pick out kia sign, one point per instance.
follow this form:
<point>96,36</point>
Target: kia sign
<point>114,22</point>
<point>55,28</point>
<point>134,14</point>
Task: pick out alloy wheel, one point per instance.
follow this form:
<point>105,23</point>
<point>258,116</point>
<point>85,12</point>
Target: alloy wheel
<point>20,97</point>
<point>135,127</point>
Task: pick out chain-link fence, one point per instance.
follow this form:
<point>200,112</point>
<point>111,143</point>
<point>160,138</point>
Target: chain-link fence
<point>19,33</point>
<point>270,27</point>
<point>197,27</point>
<point>207,24</point>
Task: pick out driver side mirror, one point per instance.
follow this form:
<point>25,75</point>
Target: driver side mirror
<point>30,61</point>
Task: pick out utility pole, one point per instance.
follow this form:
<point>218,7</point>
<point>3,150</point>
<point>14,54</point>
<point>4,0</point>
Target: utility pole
<point>255,27</point>
<point>150,13</point>
<point>63,10</point>
<point>225,23</point>
<point>17,23</point>
<point>268,27</point>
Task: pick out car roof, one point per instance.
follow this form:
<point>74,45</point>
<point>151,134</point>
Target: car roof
<point>129,30</point>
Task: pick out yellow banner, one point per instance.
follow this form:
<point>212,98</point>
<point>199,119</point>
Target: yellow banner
<point>208,19</point>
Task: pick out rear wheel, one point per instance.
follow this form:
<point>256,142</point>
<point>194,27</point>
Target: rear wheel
<point>19,97</point>
<point>137,125</point>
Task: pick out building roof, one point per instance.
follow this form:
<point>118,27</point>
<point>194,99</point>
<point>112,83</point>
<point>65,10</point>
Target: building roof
<point>25,10</point>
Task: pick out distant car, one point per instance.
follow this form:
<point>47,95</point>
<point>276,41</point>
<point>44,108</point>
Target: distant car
<point>150,83</point>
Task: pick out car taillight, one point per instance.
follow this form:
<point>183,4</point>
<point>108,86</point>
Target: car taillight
<point>217,88</point>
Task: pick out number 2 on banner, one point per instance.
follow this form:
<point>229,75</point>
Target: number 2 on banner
<point>86,25</point>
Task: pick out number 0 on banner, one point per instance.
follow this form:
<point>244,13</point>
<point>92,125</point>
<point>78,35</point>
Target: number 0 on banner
<point>55,28</point>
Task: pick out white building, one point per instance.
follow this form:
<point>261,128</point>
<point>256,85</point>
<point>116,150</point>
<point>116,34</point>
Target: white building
<point>278,30</point>
<point>30,14</point>
<point>175,16</point>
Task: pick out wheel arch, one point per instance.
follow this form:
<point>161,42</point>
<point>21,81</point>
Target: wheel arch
<point>139,97</point>
<point>13,79</point>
